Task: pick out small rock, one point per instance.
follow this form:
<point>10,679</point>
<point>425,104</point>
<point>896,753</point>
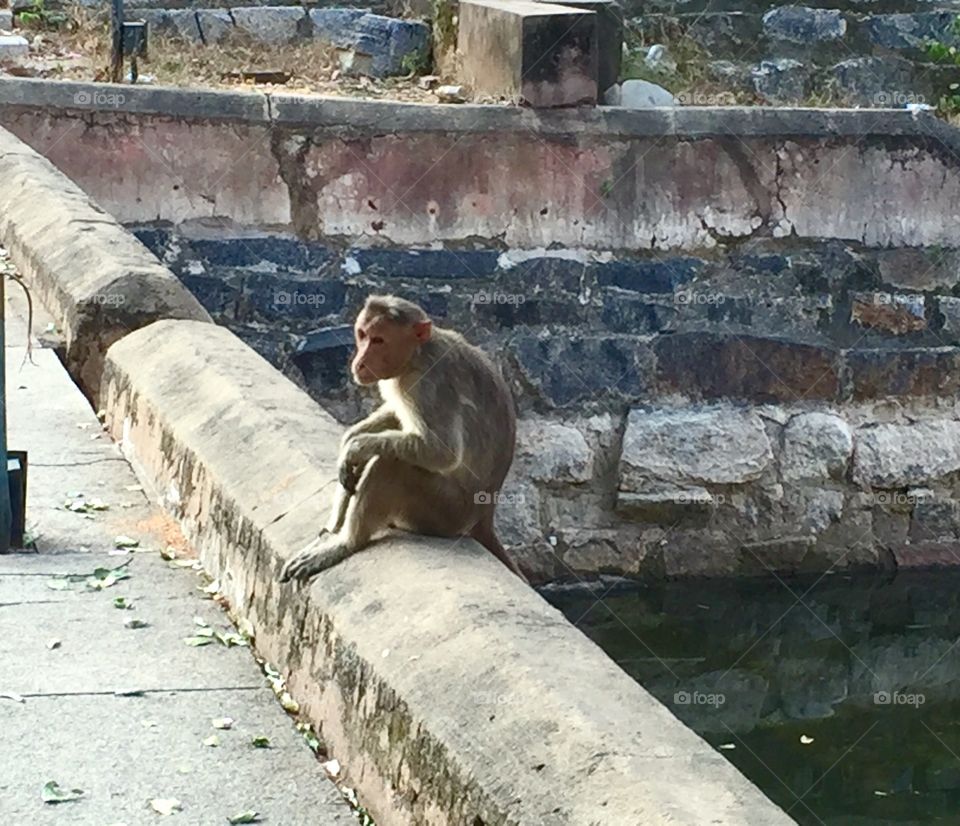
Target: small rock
<point>658,59</point>
<point>730,74</point>
<point>638,94</point>
<point>874,81</point>
<point>428,81</point>
<point>950,310</point>
<point>803,25</point>
<point>450,94</point>
<point>12,45</point>
<point>783,80</point>
<point>6,20</point>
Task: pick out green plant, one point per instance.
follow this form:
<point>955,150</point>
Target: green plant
<point>941,52</point>
<point>38,16</point>
<point>444,26</point>
<point>416,62</point>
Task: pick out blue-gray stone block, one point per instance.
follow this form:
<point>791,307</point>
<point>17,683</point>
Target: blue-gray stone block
<point>426,263</point>
<point>799,24</point>
<point>336,26</point>
<point>646,276</point>
<point>385,40</point>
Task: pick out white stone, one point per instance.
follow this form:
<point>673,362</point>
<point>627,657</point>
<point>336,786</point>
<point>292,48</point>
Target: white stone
<point>12,45</point>
<point>638,94</point>
<point>816,446</point>
<point>719,446</point>
<point>901,455</point>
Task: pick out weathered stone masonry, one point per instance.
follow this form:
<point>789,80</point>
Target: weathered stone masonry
<point>732,335</point>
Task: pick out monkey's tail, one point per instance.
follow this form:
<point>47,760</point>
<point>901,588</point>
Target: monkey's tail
<point>486,535</point>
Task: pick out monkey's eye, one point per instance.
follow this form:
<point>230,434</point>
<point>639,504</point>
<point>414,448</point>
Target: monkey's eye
<point>376,340</point>
<point>361,335</point>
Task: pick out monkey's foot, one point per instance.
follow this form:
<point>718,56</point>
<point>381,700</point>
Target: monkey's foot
<point>324,552</point>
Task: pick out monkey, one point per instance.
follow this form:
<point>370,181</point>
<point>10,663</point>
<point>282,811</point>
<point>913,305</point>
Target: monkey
<point>432,457</point>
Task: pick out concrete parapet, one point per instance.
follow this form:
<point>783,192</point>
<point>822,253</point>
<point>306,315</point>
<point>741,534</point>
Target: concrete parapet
<point>97,279</point>
<point>450,692</point>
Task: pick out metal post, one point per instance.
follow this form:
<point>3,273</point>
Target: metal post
<point>6,513</point>
<point>116,52</point>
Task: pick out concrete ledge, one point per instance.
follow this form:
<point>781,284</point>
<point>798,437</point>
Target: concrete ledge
<point>97,279</point>
<point>388,117</point>
<point>451,693</point>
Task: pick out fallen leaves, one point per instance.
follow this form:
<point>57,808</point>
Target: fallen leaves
<point>205,635</point>
<point>52,793</point>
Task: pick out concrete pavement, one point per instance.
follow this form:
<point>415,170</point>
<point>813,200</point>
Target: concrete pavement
<point>92,703</point>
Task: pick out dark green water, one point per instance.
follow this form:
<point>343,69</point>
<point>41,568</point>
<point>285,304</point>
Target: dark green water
<point>868,667</point>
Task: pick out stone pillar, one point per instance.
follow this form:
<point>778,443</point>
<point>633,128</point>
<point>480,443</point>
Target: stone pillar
<point>609,38</point>
<point>541,54</point>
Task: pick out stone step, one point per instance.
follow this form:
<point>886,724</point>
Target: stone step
<point>881,82</point>
<point>382,42</point>
<point>810,35</point>
<point>633,8</point>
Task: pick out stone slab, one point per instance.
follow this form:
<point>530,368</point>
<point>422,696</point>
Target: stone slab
<point>140,748</point>
<point>541,54</point>
<point>897,455</point>
<point>718,446</point>
<point>97,279</point>
<point>404,696</point>
<point>13,45</point>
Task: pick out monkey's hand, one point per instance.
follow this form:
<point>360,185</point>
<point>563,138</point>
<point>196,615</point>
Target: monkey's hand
<point>353,458</point>
<point>319,555</point>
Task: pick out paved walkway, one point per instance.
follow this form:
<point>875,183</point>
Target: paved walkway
<point>123,712</point>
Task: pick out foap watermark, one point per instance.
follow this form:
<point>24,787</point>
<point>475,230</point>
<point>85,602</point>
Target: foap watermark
<point>896,98</point>
<point>489,698</point>
<point>495,297</point>
<point>696,298</point>
<point>486,497</point>
<point>99,99</point>
<point>690,97</point>
<point>298,299</point>
<point>901,499</point>
<point>109,299</point>
<point>898,698</point>
<point>699,698</point>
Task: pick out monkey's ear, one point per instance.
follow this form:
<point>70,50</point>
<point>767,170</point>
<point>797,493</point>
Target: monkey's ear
<point>423,330</point>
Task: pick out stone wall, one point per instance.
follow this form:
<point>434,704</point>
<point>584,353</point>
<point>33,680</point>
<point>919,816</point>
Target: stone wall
<point>848,52</point>
<point>785,406</point>
<point>732,334</point>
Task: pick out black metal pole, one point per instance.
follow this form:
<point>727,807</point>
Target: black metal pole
<point>116,55</point>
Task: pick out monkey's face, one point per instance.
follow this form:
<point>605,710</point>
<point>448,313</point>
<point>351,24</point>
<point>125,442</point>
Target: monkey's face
<point>385,348</point>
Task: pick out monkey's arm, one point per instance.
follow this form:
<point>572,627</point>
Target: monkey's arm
<point>437,452</point>
<point>383,418</point>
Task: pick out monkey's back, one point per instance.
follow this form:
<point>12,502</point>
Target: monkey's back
<point>458,380</point>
